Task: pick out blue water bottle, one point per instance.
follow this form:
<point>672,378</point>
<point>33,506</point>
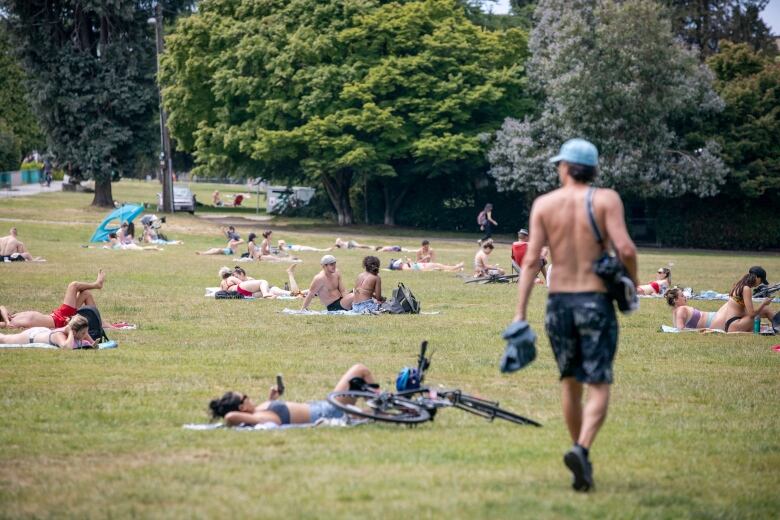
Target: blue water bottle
<point>756,325</point>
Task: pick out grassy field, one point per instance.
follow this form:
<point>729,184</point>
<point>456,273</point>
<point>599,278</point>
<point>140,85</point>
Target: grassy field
<point>692,432</point>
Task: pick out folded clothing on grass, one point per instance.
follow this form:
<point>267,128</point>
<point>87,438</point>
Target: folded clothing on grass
<point>323,422</point>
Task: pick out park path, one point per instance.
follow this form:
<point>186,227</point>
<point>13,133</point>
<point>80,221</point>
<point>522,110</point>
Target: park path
<point>25,190</point>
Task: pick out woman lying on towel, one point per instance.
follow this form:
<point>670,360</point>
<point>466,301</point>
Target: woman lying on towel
<point>236,280</point>
<point>230,250</point>
<point>658,286</point>
<point>738,313</point>
<point>408,265</point>
<point>238,408</point>
<point>73,335</point>
<point>684,316</point>
<point>285,248</point>
<point>76,296</point>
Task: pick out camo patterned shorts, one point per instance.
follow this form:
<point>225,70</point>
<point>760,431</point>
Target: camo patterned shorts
<point>583,332</point>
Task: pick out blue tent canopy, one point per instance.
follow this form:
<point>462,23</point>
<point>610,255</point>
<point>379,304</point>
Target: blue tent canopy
<point>125,213</point>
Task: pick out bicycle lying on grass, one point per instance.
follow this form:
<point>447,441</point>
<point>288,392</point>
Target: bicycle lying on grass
<point>415,403</point>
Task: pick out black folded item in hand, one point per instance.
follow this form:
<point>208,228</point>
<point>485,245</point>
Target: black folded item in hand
<point>520,346</point>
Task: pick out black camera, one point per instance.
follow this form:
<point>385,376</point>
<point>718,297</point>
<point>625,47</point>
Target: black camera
<point>619,285</point>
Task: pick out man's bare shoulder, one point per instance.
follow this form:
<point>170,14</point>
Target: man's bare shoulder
<point>548,200</point>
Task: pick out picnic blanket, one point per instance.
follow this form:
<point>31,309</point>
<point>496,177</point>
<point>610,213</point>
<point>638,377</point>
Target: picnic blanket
<point>765,331</point>
<point>323,422</point>
<point>341,313</point>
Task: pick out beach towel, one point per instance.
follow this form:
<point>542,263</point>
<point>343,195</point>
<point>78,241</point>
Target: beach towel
<point>341,313</point>
<point>210,291</point>
<point>101,346</point>
<point>123,325</point>
<point>765,331</point>
<point>323,422</point>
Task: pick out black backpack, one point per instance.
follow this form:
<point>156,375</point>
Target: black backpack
<point>96,331</point>
<point>403,302</point>
<point>228,295</point>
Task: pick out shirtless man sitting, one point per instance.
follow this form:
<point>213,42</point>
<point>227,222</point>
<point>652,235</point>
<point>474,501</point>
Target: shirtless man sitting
<point>481,265</point>
<point>12,250</point>
<point>328,285</point>
<point>425,253</point>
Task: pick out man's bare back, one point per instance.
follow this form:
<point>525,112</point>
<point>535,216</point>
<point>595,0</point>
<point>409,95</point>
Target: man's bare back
<point>561,217</point>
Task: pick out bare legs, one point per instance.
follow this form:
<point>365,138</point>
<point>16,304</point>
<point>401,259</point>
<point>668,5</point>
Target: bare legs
<point>13,339</point>
<point>74,288</point>
<point>212,251</point>
<point>585,423</point>
<point>4,318</point>
<point>434,266</point>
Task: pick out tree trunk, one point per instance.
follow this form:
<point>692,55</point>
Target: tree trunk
<point>337,187</point>
<point>103,196</point>
<point>392,203</point>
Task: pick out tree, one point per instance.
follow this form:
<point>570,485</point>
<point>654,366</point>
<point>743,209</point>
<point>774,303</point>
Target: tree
<point>749,127</point>
<point>91,75</point>
<point>613,73</point>
<point>340,91</point>
<point>704,23</point>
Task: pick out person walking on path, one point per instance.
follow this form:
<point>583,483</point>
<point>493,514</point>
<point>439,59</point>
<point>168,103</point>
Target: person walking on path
<point>486,222</point>
<point>580,317</point>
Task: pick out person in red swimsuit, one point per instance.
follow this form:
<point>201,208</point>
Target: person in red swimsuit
<point>76,295</point>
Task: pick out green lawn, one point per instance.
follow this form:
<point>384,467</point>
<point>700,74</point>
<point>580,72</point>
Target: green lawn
<point>692,432</point>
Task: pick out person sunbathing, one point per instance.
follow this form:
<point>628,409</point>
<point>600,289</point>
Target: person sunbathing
<point>236,280</point>
<point>115,243</point>
<point>685,316</point>
<point>407,265</point>
<point>659,286</point>
<point>329,287</point>
<point>229,250</point>
<point>350,244</point>
<point>368,287</point>
<point>481,265</point>
<point>77,295</point>
<point>425,253</point>
<point>738,313</point>
<point>237,408</point>
<point>13,250</point>
<point>263,251</point>
<point>284,247</point>
<point>72,335</point>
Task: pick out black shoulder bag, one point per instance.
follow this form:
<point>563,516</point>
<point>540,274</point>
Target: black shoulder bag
<point>609,268</point>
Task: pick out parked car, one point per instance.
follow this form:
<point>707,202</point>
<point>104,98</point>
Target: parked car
<point>183,199</point>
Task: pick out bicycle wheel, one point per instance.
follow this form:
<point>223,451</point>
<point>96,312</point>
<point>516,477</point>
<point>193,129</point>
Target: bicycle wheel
<point>490,410</point>
<point>380,407</point>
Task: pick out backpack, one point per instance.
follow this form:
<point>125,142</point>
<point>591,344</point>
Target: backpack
<point>95,322</point>
<point>482,218</point>
<point>403,302</point>
<point>228,295</point>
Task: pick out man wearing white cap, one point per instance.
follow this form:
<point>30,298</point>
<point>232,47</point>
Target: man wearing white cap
<point>580,318</point>
<point>328,286</point>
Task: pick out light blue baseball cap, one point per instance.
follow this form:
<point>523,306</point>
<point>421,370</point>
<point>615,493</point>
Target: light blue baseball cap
<point>578,151</point>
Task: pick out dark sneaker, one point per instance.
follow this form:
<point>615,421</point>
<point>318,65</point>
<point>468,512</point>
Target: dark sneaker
<point>580,468</point>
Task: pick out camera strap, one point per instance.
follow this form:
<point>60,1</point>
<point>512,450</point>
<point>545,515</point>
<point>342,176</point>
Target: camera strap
<point>592,218</point>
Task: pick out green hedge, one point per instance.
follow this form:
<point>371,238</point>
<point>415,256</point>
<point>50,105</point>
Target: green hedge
<point>719,223</point>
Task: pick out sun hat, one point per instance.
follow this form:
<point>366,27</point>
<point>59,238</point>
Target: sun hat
<point>578,151</point>
<point>328,259</point>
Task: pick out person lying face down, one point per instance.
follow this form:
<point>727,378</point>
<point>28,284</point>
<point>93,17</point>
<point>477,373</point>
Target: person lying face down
<point>238,408</point>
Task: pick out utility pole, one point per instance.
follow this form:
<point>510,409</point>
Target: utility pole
<point>166,165</point>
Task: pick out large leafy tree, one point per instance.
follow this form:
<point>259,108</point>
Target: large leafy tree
<point>339,91</point>
<point>749,127</point>
<point>91,73</point>
<point>704,23</point>
<point>19,131</point>
<point>612,72</point>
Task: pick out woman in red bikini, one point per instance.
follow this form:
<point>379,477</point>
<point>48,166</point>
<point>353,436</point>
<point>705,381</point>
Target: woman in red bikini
<point>659,286</point>
<point>76,295</point>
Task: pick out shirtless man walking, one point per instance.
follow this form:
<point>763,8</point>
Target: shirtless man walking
<point>328,285</point>
<point>580,318</point>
